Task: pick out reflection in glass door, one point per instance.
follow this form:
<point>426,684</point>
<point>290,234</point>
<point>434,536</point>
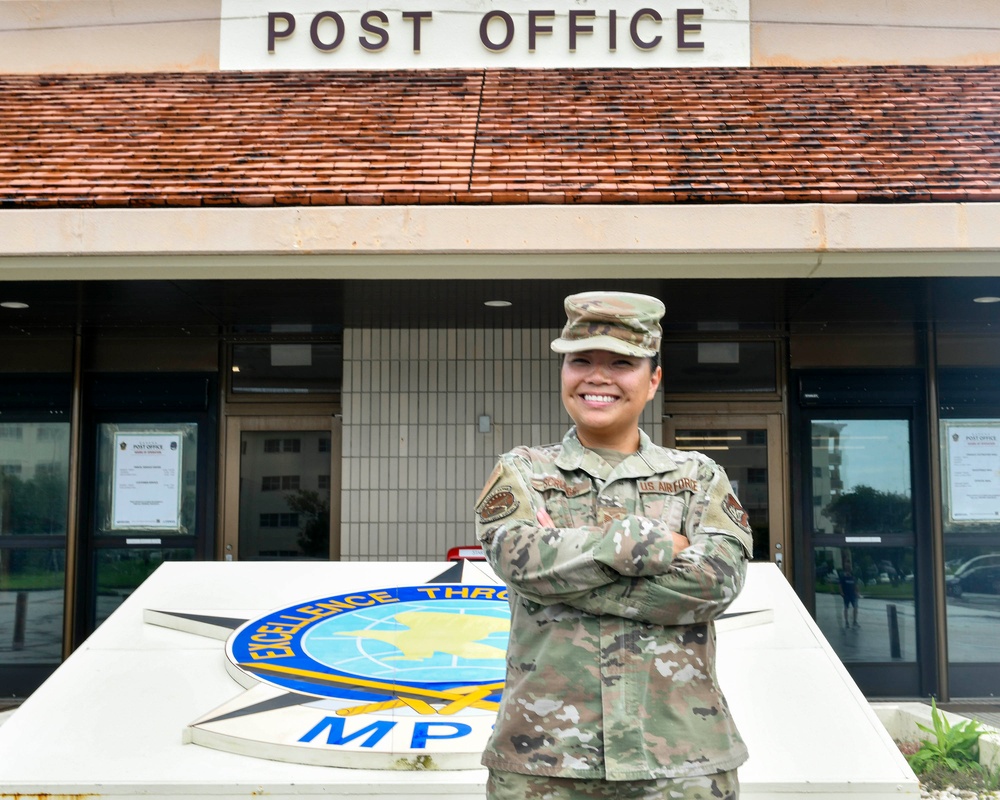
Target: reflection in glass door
<point>862,527</point>
<point>34,486</point>
<point>282,488</point>
<point>284,495</point>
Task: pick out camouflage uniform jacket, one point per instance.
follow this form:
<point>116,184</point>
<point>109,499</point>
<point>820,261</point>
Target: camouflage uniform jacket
<point>611,658</point>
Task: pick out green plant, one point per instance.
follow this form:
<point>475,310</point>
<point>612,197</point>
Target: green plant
<point>954,747</point>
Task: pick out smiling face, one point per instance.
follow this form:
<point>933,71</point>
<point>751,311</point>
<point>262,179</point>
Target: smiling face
<point>605,394</point>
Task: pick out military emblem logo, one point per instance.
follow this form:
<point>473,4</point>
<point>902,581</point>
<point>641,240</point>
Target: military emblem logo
<point>435,649</point>
<point>498,504</point>
<point>399,678</point>
<point>736,512</point>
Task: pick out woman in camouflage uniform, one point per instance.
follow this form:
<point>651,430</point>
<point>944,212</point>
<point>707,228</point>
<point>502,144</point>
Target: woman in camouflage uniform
<point>618,554</point>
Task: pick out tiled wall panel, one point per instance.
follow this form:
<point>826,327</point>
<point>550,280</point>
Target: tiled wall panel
<point>413,458</point>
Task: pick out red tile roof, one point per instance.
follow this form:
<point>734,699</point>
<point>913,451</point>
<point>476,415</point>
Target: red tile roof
<point>772,135</point>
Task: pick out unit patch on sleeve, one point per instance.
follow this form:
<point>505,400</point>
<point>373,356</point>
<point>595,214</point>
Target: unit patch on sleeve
<point>498,504</point>
<point>736,513</point>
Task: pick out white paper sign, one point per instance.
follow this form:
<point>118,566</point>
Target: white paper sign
<point>974,472</point>
<point>147,486</point>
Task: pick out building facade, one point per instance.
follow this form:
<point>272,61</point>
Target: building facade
<point>279,283</point>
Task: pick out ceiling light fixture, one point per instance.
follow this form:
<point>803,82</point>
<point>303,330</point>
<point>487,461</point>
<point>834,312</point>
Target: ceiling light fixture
<point>498,303</point>
<point>986,300</point>
<point>13,304</point>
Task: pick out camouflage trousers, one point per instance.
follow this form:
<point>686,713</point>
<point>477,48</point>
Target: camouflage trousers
<point>512,786</point>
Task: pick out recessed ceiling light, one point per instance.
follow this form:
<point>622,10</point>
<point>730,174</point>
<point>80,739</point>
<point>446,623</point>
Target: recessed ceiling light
<point>497,303</point>
<point>13,304</point>
<point>986,300</point>
<point>235,368</point>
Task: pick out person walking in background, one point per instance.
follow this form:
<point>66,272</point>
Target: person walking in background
<point>849,591</point>
<point>618,555</point>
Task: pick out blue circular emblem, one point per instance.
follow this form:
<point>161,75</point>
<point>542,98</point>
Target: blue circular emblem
<point>433,643</point>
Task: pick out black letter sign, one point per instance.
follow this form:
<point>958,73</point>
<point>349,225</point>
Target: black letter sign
<point>575,27</point>
<point>272,33</point>
<point>683,28</point>
<point>367,27</point>
<point>534,28</point>
<point>484,36</point>
<point>417,17</point>
<point>314,30</point>
<point>634,28</point>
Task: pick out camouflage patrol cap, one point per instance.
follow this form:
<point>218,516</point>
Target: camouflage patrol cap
<point>620,322</point>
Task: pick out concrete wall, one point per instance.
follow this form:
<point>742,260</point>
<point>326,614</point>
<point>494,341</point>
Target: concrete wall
<point>412,448</point>
<point>824,33</point>
<point>143,35</point>
<point>109,35</point>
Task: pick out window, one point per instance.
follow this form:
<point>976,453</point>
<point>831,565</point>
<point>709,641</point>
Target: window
<point>733,367</point>
<point>323,482</point>
<point>282,445</point>
<point>14,431</point>
<point>50,470</point>
<point>324,444</point>
<point>279,520</point>
<point>274,483</point>
<point>293,368</point>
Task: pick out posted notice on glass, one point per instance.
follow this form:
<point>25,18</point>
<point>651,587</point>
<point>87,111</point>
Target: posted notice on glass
<point>147,489</point>
<point>974,472</point>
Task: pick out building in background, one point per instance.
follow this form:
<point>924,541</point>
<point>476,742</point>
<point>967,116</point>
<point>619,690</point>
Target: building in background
<point>278,282</point>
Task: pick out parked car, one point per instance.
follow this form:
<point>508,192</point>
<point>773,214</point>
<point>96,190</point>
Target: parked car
<point>979,575</point>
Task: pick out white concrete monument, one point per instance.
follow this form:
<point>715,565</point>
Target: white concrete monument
<point>240,680</point>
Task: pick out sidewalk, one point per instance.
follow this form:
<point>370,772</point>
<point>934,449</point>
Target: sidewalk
<point>986,711</point>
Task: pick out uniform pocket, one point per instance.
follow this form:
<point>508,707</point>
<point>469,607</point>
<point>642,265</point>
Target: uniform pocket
<point>569,502</point>
<point>670,508</point>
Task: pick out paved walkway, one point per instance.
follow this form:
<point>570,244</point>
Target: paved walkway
<point>986,711</point>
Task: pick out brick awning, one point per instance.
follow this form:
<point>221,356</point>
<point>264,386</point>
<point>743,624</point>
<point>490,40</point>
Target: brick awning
<point>776,135</point>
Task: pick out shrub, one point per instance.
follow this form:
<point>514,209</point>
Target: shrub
<point>951,758</point>
<point>953,746</point>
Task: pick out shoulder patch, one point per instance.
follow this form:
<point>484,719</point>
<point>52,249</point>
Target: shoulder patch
<point>736,513</point>
<point>498,504</point>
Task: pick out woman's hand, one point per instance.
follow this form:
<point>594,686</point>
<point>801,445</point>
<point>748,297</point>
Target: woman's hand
<point>544,519</point>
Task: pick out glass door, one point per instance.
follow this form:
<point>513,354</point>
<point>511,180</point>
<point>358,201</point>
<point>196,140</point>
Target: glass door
<point>862,570</point>
<point>863,527</point>
<point>148,483</point>
<point>34,489</point>
<point>282,489</point>
<point>969,442</point>
<point>749,448</point>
